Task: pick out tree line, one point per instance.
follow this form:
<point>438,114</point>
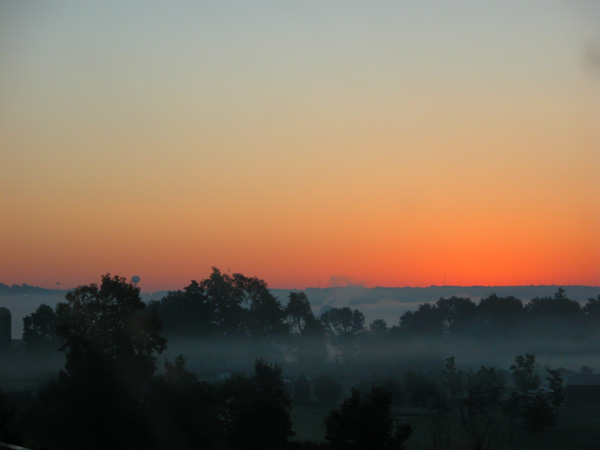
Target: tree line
<point>112,393</point>
<point>241,310</point>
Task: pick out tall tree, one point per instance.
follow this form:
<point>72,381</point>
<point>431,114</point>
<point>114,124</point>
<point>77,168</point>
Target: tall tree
<point>186,313</point>
<point>102,326</point>
<point>39,331</point>
<point>365,421</point>
<point>311,344</point>
<point>256,412</point>
<point>555,383</point>
<point>344,326</point>
<point>458,315</point>
<point>425,321</point>
<point>502,317</point>
<point>298,311</point>
<point>452,379</point>
<point>524,374</point>
<point>110,349</point>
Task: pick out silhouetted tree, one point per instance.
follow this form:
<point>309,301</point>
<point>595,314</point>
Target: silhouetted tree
<point>223,307</point>
<point>365,421</point>
<point>308,340</point>
<point>501,317</point>
<point>311,344</point>
<point>184,413</point>
<point>110,349</point>
<point>302,388</point>
<point>555,384</point>
<point>39,331</point>
<point>298,311</point>
<point>266,314</point>
<point>102,328</point>
<point>423,391</point>
<point>425,321</point>
<point>524,374</point>
<point>548,316</point>
<point>452,378</point>
<point>458,315</point>
<point>226,294</point>
<point>378,328</point>
<point>480,412</point>
<point>256,411</point>
<point>344,326</point>
<point>187,313</point>
<point>326,388</point>
<point>375,344</point>
<point>484,390</point>
<point>591,310</point>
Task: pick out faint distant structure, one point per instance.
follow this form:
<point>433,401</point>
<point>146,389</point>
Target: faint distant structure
<point>135,280</point>
<point>5,331</point>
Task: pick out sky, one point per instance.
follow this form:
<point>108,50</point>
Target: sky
<point>383,144</point>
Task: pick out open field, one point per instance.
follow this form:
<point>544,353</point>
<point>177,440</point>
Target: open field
<point>577,429</point>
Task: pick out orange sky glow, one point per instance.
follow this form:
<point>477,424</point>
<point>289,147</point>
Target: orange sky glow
<point>398,145</point>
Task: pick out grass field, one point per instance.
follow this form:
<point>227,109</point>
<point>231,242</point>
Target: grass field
<point>577,429</point>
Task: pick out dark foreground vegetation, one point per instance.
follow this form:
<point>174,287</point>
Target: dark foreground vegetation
<point>260,375</point>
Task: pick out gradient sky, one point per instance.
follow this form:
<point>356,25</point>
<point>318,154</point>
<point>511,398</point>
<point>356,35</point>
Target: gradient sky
<point>389,144</point>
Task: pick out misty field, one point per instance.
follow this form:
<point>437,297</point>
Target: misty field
<point>577,429</point>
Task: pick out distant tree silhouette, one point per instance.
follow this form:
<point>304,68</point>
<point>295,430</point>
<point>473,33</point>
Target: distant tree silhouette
<point>110,349</point>
<point>298,311</point>
<point>425,321</point>
<point>480,412</point>
<point>524,374</point>
<point>452,379</point>
<point>326,388</point>
<point>302,388</point>
<point>423,390</point>
<point>501,317</point>
<point>222,307</point>
<point>378,328</point>
<point>39,331</point>
<point>555,384</point>
<point>591,315</point>
<point>344,326</point>
<point>243,306</point>
<point>484,391</point>
<point>256,410</point>
<point>234,313</point>
<point>187,313</point>
<point>311,344</point>
<point>375,344</point>
<point>103,327</point>
<point>458,315</point>
<point>365,421</point>
<point>308,340</point>
<point>184,413</point>
<point>548,316</point>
